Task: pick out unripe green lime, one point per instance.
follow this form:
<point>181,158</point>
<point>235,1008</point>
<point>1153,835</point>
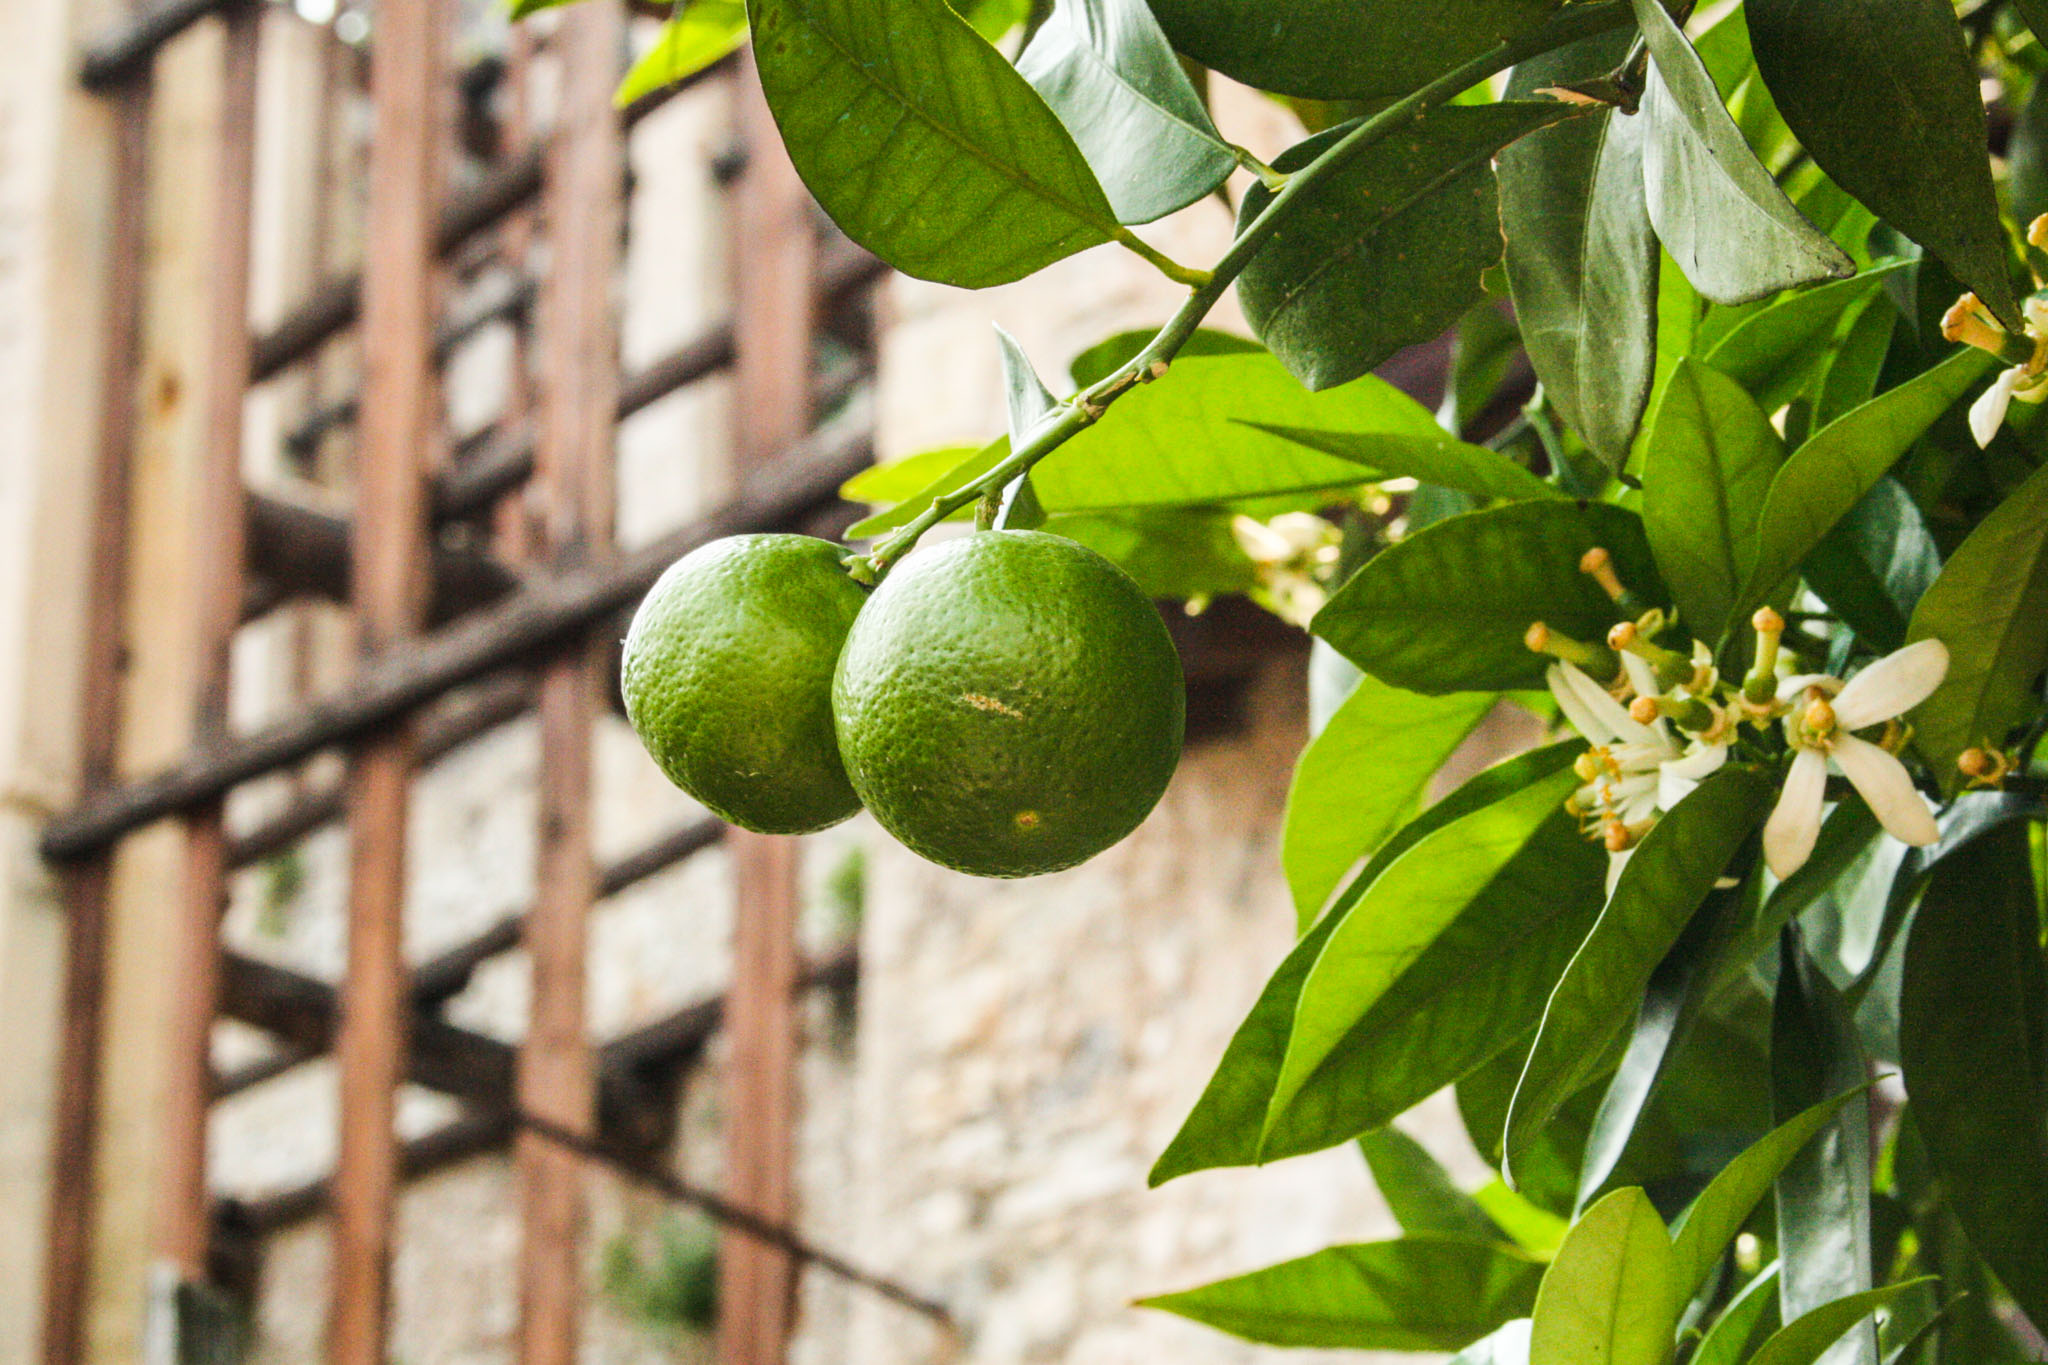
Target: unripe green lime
<point>728,679</point>
<point>1009,703</point>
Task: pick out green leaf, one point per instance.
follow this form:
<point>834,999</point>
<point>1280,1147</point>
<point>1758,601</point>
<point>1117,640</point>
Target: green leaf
<point>1534,1228</point>
<point>1025,398</point>
<point>1414,1294</point>
<point>1223,1129</point>
<point>1973,1034</point>
<point>1341,49</point>
<point>705,32</point>
<point>1823,1193</point>
<point>1666,878</point>
<point>1808,1338</point>
<point>1850,376</point>
<point>1450,464</point>
<point>1174,441</point>
<point>1362,778</point>
<point>912,482</point>
<point>1875,566</point>
<point>1386,251</point>
<point>1716,209</point>
<point>1098,361</point>
<point>1610,1297</point>
<point>1744,1324</point>
<point>922,142</point>
<point>1706,1229</point>
<point>1883,95</point>
<point>1107,71</point>
<point>1841,462</point>
<point>1446,609</point>
<point>1177,553</point>
<point>1845,836</point>
<point>1441,964</point>
<point>1581,259</point>
<point>1419,1192</point>
<point>1775,351</point>
<point>1707,465</point>
<point>1990,607</point>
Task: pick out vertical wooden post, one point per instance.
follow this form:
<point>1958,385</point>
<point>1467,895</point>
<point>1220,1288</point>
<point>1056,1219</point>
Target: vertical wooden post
<point>85,885</point>
<point>181,1226</point>
<point>773,245</point>
<point>400,422</point>
<point>578,392</point>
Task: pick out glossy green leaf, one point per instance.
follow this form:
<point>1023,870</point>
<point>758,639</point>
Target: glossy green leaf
<point>1362,778</point>
<point>1810,1337</point>
<point>1386,251</point>
<point>1414,1294</point>
<point>912,482</point>
<point>1666,879</point>
<point>1832,471</point>
<point>1973,1036</point>
<point>922,142</point>
<point>1223,1129</point>
<point>1581,259</point>
<point>1705,1230</point>
<point>1845,835</point>
<point>1709,457</point>
<point>1716,209</point>
<point>993,19</point>
<point>1446,609</point>
<point>1177,440</point>
<point>1178,553</point>
<point>1746,1323</point>
<point>1823,1193</point>
<point>1990,607</point>
<point>1108,72</point>
<point>1419,1192</point>
<point>705,32</point>
<point>1534,1228</point>
<point>1883,95</point>
<point>1849,377</point>
<point>1875,565</point>
<point>1473,949</point>
<point>1777,350</point>
<point>1451,464</point>
<point>1611,1296</point>
<point>1097,362</point>
<point>1342,49</point>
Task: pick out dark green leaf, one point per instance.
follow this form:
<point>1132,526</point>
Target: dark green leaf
<point>1744,1324</point>
<point>1611,1296</point>
<point>1362,778</point>
<point>1419,1192</point>
<point>1832,471</point>
<point>922,141</point>
<point>1707,465</point>
<point>1414,1294</point>
<point>703,33</point>
<point>1883,95</point>
<point>1387,251</point>
<point>1974,1049</point>
<point>1450,464</point>
<point>1107,71</point>
<point>1716,209</point>
<point>1823,1193</point>
<point>1224,1128</point>
<point>1340,49</point>
<point>1875,565</point>
<point>1850,376</point>
<point>2027,154</point>
<point>1446,609</point>
<point>1990,607</point>
<point>1775,351</point>
<point>1667,877</point>
<point>1581,259</point>
<point>1808,1338</point>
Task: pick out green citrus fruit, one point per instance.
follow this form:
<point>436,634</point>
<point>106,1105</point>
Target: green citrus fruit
<point>728,679</point>
<point>1009,703</point>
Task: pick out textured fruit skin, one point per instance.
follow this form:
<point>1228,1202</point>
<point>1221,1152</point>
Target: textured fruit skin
<point>728,679</point>
<point>1009,703</point>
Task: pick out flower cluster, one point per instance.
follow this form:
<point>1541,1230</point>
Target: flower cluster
<point>2026,355</point>
<point>1664,721</point>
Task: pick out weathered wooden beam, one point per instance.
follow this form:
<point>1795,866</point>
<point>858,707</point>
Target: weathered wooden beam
<point>398,680</point>
<point>298,550</point>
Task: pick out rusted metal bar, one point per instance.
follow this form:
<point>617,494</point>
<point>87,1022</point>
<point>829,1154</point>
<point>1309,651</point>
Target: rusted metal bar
<point>75,1128</point>
<point>181,1231</point>
<point>584,207</point>
<point>398,680</point>
<point>400,424</point>
<point>774,246</point>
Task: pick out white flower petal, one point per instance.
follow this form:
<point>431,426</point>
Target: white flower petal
<point>1882,781</point>
<point>1791,687</point>
<point>1608,715</point>
<point>1641,676</point>
<point>1893,685</point>
<point>1677,778</point>
<point>1615,863</point>
<point>1987,414</point>
<point>1582,719</point>
<point>1795,822</point>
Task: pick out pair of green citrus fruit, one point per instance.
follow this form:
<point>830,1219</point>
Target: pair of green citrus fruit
<point>1006,703</point>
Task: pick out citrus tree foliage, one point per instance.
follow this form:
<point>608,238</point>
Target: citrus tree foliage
<point>1738,978</point>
